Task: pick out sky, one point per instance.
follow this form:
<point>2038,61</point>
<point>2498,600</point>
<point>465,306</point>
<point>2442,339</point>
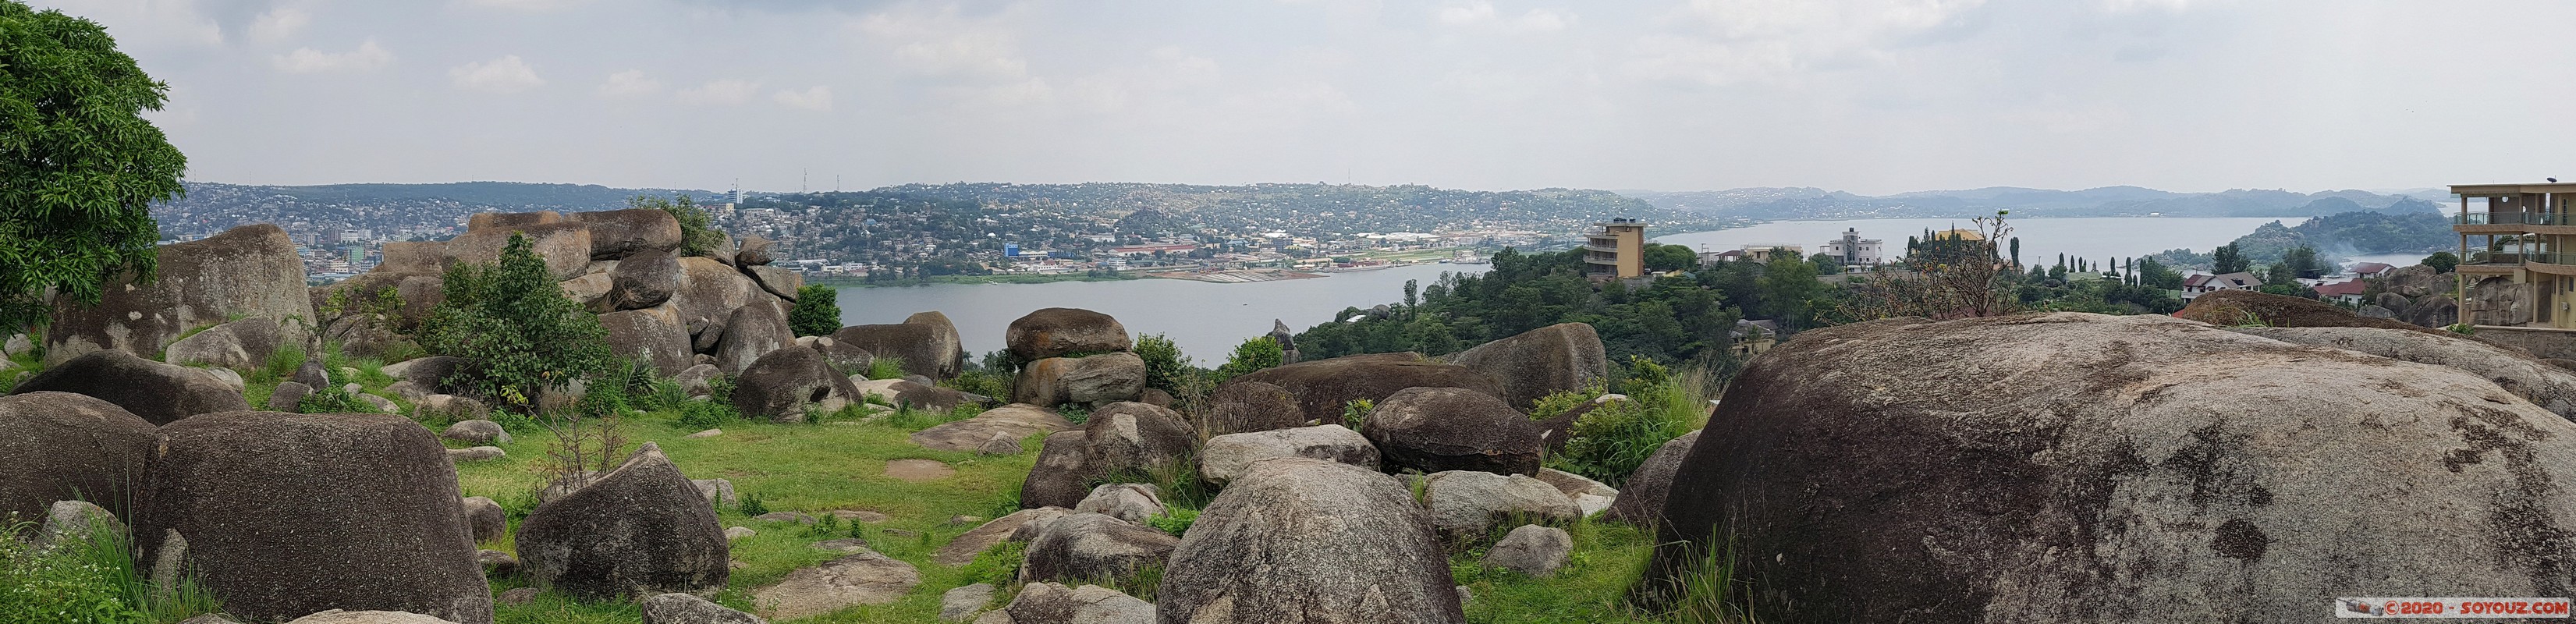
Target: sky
<point>1869,96</point>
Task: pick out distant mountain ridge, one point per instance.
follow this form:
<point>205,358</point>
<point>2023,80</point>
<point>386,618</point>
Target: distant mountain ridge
<point>1782,203</point>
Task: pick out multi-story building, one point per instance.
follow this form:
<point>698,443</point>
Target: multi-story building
<point>1764,253</point>
<point>1618,251</point>
<point>1854,252</point>
<point>2517,254</point>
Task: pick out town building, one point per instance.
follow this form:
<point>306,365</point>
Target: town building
<point>2371,269</point>
<point>1618,251</point>
<point>1764,253</point>
<point>2197,284</point>
<point>1853,251</point>
<point>2347,292</point>
<point>1751,338</point>
<point>2516,269</point>
<point>1711,258</point>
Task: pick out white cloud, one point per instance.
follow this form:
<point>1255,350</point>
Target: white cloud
<point>146,22</point>
<point>278,24</point>
<point>818,98</point>
<point>727,91</point>
<point>308,60</point>
<point>525,5</point>
<point>1729,41</point>
<point>945,43</point>
<point>629,82</point>
<point>2128,6</point>
<point>1482,14</point>
<point>507,74</point>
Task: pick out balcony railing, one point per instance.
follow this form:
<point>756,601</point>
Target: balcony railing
<point>2510,258</point>
<point>2513,218</point>
<point>1600,248</point>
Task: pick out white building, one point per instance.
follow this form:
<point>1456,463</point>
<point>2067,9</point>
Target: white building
<point>1853,250</point>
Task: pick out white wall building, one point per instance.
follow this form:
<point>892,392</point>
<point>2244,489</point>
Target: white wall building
<point>1853,250</point>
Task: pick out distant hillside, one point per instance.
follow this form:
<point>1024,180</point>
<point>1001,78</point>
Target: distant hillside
<point>2338,235</point>
<point>1347,207</point>
<point>1814,203</point>
<point>211,207</point>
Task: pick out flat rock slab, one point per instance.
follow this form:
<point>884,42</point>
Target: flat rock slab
<point>862,515</point>
<point>962,551</point>
<point>861,579</point>
<point>1015,421</point>
<point>918,470</point>
<point>843,545</point>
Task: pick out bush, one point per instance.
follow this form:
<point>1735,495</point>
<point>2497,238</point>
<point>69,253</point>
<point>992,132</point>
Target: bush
<point>1609,442</point>
<point>999,566</point>
<point>985,383</point>
<point>751,505</point>
<point>1356,412</point>
<point>88,581</point>
<point>1175,522</point>
<point>703,415</point>
<point>885,368</point>
<point>333,400</point>
<point>518,333</point>
<point>817,311</point>
<point>1253,355</point>
<point>1165,366</point>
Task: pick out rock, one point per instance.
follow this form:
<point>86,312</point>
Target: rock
<point>645,280</point>
<point>1287,340</point>
<point>735,533</point>
<point>242,344</point>
<point>679,608</point>
<point>479,453</point>
<point>497,563</point>
<point>929,347</point>
<point>717,491</point>
<point>2109,467</point>
<point>1308,540</point>
<point>1227,457</point>
<point>1132,502</point>
<point>916,394</point>
<point>1095,379</point>
<point>1001,444</point>
<point>962,550</point>
<point>157,392</point>
<point>755,251</point>
<point>918,470</point>
<point>1137,440</point>
<point>1574,484</point>
<point>1059,479</point>
<point>428,372</point>
<point>641,529</point>
<point>753,331</point>
<point>2541,383</point>
<point>2375,311</point>
<point>229,378</point>
<point>798,517</point>
<point>287,396</point>
<point>367,336</point>
<point>653,336</point>
<point>1156,397</point>
<point>485,519</point>
<point>382,404</point>
<point>1324,387</point>
<point>590,290</point>
<point>72,521</point>
<point>520,596</point>
<point>778,282</point>
<point>208,619</point>
<point>564,246</point>
<point>486,221</point>
<point>709,293</point>
<point>336,616</point>
<point>785,384</point>
<point>699,379</point>
<point>449,406</point>
<point>62,446</point>
<point>2228,308</point>
<point>1642,498</point>
<point>625,234</point>
<point>1015,421</point>
<point>705,434</point>
<point>724,250</point>
<point>17,345</point>
<point>1440,429</point>
<point>1248,406</point>
<point>246,272</point>
<point>1539,362</point>
<point>844,357</point>
<point>313,374</point>
<point>1058,332</point>
<point>961,603</point>
<point>1532,550</point>
<point>1466,503</point>
<point>843,545</point>
<point>1093,546</point>
<point>282,513</point>
<point>861,579</point>
<point>1050,603</point>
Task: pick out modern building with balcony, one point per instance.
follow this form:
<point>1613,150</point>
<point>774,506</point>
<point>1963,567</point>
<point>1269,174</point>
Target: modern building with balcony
<point>2517,254</point>
<point>1618,251</point>
<point>1856,253</point>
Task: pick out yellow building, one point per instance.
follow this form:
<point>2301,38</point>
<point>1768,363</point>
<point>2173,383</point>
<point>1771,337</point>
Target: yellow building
<point>2517,254</point>
<point>1958,234</point>
<point>1618,251</point>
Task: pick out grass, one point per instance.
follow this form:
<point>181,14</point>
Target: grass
<point>1607,560</point>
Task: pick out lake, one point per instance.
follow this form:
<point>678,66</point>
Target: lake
<point>1207,319</point>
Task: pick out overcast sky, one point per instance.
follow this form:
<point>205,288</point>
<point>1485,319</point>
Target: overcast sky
<point>1871,96</point>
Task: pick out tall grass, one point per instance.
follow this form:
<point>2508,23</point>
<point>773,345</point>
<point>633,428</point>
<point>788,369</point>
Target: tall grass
<point>1709,591</point>
<point>1608,443</point>
<point>90,579</point>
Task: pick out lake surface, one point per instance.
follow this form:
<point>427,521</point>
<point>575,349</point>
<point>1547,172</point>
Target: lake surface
<point>1209,319</point>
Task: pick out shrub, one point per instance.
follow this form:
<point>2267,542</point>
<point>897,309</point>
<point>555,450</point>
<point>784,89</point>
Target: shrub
<point>1076,412</point>
<point>751,505</point>
<point>885,368</point>
<point>1609,442</point>
<point>703,415</point>
<point>333,400</point>
<point>90,581</point>
<point>1165,366</point>
<point>817,311</point>
<point>518,333</point>
<point>982,382</point>
<point>1356,412</point>
<point>1562,401</point>
<point>999,565</point>
<point>827,526</point>
<point>1175,521</point>
<point>1252,355</point>
<point>698,236</point>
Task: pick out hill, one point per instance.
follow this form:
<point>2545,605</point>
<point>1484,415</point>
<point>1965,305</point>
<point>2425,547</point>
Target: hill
<point>1814,203</point>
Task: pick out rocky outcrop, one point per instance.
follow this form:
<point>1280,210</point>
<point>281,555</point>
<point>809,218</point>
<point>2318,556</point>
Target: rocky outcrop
<point>1248,406</point>
<point>2499,300</point>
<point>1132,502</point>
<point>1324,387</point>
<point>1641,498</point>
<point>644,280</point>
<point>1057,332</point>
<point>625,234</point>
<point>750,332</point>
<point>2108,469</point>
<point>1096,379</point>
<point>245,272</point>
<point>787,383</point>
<point>863,578</point>
<point>1130,440</point>
<point>1014,421</point>
<point>962,550</point>
<point>1059,479</point>
<point>1306,540</point>
<point>1532,550</point>
<point>639,530</point>
<point>1091,546</point>
<point>2543,384</point>
<point>1228,457</point>
<point>337,616</point>
<point>564,246</point>
<point>780,283</point>
<point>652,336</point>
<point>755,251</point>
<point>1539,362</point>
<point>287,514</point>
<point>925,344</point>
<point>160,393</point>
<point>2229,308</point>
<point>64,446</point>
<point>1089,604</point>
<point>678,608</point>
<point>241,344</point>
<point>1467,503</point>
<point>1437,429</point>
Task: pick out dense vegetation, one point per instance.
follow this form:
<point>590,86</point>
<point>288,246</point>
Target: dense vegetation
<point>2348,233</point>
<point>817,311</point>
<point>519,335</point>
<point>1686,318</point>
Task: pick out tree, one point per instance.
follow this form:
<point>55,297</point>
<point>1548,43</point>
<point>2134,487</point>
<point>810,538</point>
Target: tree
<point>2016,251</point>
<point>1669,257</point>
<point>1788,283</point>
<point>1826,264</point>
<point>1165,366</point>
<point>2303,262</point>
<point>2281,273</point>
<point>2154,274</point>
<point>517,332</point>
<point>817,311</point>
<point>698,236</point>
<point>1253,355</point>
<point>2442,261</point>
<point>79,166</point>
<point>2227,259</point>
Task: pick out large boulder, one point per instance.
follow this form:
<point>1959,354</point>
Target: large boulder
<point>64,446</point>
<point>337,616</point>
<point>962,550</point>
<point>2229,308</point>
<point>287,514</point>
<point>1130,440</point>
<point>639,530</point>
<point>1057,332</point>
<point>916,394</point>
<point>1248,406</point>
<point>241,344</point>
<point>778,282</point>
<point>709,293</point>
<point>1059,479</point>
<point>1467,503</point>
<point>750,332</point>
<point>1132,502</point>
<point>644,280</point>
<point>786,383</point>
<point>624,234</point>
<point>1092,546</point>
<point>1308,540</point>
<point>429,373</point>
<point>925,344</point>
<point>250,271</point>
<point>412,258</point>
<point>2500,300</point>
<point>653,336</point>
<point>678,608</point>
<point>943,332</point>
<point>160,393</point>
<point>1013,422</point>
<point>1228,457</point>
<point>755,251</point>
<point>564,246</point>
<point>1051,603</point>
<point>1095,379</point>
<point>1641,498</point>
<point>1324,387</point>
<point>487,221</point>
<point>1437,429</point>
<point>2550,387</point>
<point>1539,362</point>
<point>2077,467</point>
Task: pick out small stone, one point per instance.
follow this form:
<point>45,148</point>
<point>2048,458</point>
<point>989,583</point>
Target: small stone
<point>72,520</point>
<point>859,515</point>
<point>477,432</point>
<point>705,434</point>
<point>736,533</point>
<point>964,520</point>
<point>678,608</point>
<point>1533,550</point>
<point>497,563</point>
<point>849,545</point>
<point>520,596</point>
<point>382,404</point>
<point>798,517</point>
<point>479,453</point>
<point>961,603</point>
<point>717,491</point>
